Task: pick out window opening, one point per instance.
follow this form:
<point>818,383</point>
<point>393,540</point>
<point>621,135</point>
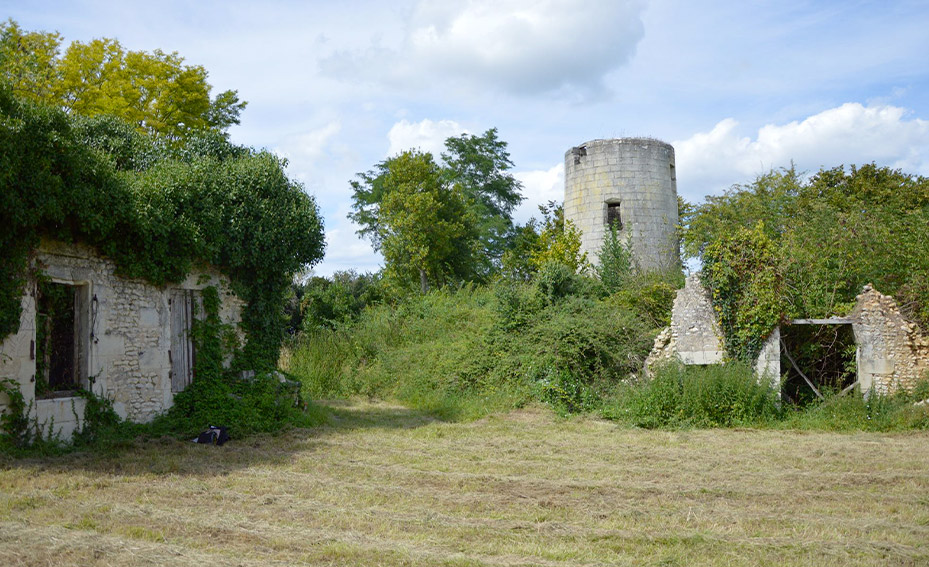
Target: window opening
<point>613,217</point>
<point>60,348</point>
<point>578,153</point>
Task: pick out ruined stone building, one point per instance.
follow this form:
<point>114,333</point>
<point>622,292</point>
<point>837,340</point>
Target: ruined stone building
<point>629,184</point>
<point>83,326</point>
<point>890,353</point>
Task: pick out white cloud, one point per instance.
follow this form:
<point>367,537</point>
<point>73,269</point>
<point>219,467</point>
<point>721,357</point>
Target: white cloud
<point>313,144</point>
<point>425,135</point>
<point>539,187</point>
<point>708,162</point>
<point>346,251</point>
<point>520,46</point>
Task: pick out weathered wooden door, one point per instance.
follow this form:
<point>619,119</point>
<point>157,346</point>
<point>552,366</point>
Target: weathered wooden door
<point>181,304</point>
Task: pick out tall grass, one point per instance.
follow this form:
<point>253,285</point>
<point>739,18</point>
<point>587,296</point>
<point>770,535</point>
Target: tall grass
<point>414,352</point>
<point>895,412</point>
<point>730,396</point>
<point>687,396</point>
<point>478,350</point>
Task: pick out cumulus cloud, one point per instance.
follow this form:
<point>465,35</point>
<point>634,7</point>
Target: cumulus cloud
<point>309,145</point>
<point>346,251</point>
<point>539,187</point>
<point>518,46</point>
<point>426,135</point>
<point>708,162</point>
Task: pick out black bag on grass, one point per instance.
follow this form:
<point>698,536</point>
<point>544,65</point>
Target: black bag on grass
<point>213,435</point>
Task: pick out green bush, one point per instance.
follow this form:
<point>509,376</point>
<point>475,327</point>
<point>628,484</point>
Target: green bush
<point>689,396</point>
<point>855,412</point>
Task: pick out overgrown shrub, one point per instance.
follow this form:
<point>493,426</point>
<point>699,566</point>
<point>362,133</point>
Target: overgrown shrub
<point>690,396</point>
<point>154,210</point>
<point>855,412</point>
<point>327,302</point>
<point>785,247</point>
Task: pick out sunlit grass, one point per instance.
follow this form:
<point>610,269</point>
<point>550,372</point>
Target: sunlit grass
<point>384,485</point>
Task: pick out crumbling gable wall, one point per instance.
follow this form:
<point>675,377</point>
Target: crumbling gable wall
<point>126,337</point>
<point>694,336</point>
<point>892,353</point>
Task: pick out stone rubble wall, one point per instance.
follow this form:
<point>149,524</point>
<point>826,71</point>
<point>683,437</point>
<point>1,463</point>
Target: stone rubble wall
<point>694,336</point>
<point>892,352</point>
<point>128,331</point>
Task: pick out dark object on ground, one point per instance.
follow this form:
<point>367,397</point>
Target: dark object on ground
<point>213,436</point>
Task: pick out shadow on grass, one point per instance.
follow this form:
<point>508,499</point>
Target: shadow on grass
<point>148,454</point>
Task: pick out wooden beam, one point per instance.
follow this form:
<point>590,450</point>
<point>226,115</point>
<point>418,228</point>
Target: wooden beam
<point>797,368</point>
<point>829,321</point>
<point>848,388</point>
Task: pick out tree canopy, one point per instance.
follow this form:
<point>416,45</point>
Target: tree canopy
<point>424,226</point>
<point>155,91</point>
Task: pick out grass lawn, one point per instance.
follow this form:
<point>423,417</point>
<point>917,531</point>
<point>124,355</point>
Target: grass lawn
<point>382,485</point>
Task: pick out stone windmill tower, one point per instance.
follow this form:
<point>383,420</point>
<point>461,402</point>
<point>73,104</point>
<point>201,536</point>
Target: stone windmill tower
<point>628,183</point>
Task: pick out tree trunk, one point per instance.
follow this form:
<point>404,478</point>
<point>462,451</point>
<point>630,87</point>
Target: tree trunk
<point>423,282</point>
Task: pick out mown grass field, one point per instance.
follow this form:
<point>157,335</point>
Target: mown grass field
<point>383,485</point>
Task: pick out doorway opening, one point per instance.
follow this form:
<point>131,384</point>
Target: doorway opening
<point>61,346</point>
<point>819,359</point>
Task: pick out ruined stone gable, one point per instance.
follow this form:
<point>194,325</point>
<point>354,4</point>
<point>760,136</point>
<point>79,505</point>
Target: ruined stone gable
<point>892,352</point>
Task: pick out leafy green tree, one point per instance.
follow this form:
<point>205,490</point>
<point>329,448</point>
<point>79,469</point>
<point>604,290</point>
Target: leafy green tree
<point>515,262</point>
<point>480,165</point>
<point>559,241</point>
<point>157,92</point>
<point>27,60</point>
<point>784,247</point>
<point>423,225</point>
<point>476,169</point>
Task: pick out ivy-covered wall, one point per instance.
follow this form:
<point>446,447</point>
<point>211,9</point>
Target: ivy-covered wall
<point>156,208</point>
<point>126,337</point>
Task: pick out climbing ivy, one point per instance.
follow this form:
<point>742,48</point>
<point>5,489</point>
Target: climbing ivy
<point>155,208</point>
<point>741,272</point>
<point>784,247</point>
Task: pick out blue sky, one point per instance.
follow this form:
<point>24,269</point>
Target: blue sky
<point>737,87</point>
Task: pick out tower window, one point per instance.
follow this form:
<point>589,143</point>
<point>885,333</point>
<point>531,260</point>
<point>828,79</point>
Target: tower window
<point>613,217</point>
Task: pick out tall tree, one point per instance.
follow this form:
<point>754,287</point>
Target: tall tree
<point>423,225</point>
<point>480,165</point>
<point>476,169</point>
<point>157,92</point>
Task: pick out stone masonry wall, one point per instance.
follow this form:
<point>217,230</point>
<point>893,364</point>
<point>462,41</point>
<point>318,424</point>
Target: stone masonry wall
<point>636,173</point>
<point>127,334</point>
<point>892,353</point>
<point>694,336</point>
